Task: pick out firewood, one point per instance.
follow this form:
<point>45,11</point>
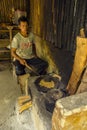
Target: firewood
<point>24,107</point>
<point>24,97</point>
<point>23,100</point>
<point>20,103</point>
<point>58,76</point>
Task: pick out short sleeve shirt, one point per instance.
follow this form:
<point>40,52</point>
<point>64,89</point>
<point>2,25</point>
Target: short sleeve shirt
<point>23,45</point>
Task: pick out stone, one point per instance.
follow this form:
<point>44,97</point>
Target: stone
<point>41,117</point>
<point>70,113</point>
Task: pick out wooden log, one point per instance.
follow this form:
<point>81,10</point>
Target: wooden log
<point>24,97</point>
<point>80,62</point>
<point>25,107</point>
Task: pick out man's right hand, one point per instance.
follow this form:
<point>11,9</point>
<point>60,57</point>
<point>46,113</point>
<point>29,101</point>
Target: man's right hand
<point>22,61</point>
<point>13,53</point>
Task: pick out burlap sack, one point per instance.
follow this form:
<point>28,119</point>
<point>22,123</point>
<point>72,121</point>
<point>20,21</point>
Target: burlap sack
<point>43,51</point>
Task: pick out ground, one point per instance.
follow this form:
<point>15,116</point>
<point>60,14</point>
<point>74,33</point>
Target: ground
<point>10,91</point>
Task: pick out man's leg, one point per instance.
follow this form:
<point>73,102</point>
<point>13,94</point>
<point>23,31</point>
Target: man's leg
<point>20,69</point>
<point>39,65</point>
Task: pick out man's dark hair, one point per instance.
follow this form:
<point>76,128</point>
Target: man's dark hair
<point>22,19</point>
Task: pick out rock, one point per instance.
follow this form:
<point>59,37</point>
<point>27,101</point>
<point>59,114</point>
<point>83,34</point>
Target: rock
<point>70,113</point>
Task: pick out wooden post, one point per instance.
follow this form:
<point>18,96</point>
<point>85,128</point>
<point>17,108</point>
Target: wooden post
<point>10,34</point>
<point>80,63</point>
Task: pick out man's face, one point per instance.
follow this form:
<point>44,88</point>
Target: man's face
<point>23,27</point>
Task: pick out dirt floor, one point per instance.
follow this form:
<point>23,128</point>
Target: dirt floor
<point>10,91</point>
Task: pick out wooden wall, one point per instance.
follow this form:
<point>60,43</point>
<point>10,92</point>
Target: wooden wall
<point>58,21</point>
<point>6,8</point>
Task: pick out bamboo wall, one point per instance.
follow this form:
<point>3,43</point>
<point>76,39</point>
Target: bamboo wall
<point>6,8</point>
<point>58,21</point>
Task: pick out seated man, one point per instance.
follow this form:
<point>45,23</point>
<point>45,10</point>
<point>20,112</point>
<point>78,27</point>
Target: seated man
<point>23,50</point>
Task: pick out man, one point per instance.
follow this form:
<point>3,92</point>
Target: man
<point>24,51</point>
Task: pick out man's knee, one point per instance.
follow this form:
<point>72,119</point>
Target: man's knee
<point>19,71</point>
